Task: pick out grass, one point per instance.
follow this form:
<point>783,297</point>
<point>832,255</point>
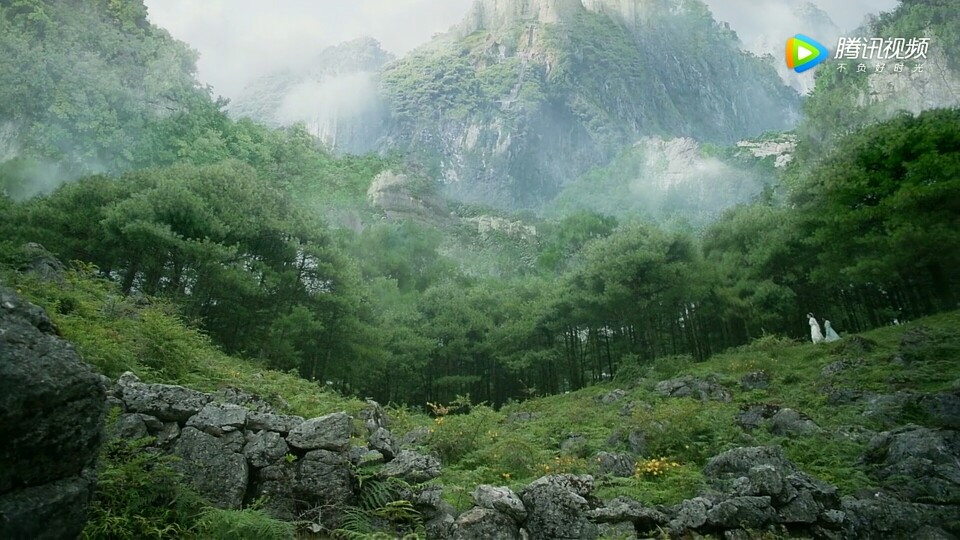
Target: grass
<point>552,434</point>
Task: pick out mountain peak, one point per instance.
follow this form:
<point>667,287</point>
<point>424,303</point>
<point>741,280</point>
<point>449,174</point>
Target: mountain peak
<point>496,14</point>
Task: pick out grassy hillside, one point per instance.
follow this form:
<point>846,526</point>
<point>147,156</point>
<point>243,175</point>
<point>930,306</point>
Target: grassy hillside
<point>844,388</point>
<point>563,433</point>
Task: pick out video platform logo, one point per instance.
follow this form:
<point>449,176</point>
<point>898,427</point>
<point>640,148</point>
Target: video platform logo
<point>804,53</point>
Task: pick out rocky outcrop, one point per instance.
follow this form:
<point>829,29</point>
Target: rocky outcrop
<point>233,455</point>
<point>703,389</point>
<point>51,424</point>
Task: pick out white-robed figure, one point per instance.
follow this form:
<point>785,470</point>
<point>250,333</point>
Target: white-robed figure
<point>815,334</point>
<point>831,334</point>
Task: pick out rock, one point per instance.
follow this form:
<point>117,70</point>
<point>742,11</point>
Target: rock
<point>790,423</point>
<point>429,502</point>
<point>620,465</point>
<point>167,402</point>
<point>330,432</point>
<point>167,434</point>
<point>265,448</point>
<point>689,514</point>
<point>485,524</point>
<point>275,484</point>
<point>42,264</point>
<point>282,424</point>
<point>764,480</point>
<point>941,410</point>
<point>52,409</point>
<point>382,441</point>
<point>623,509</point>
<point>556,507</point>
<point>886,409</point>
<point>885,517</point>
<point>212,466</point>
<point>839,366</point>
<point>129,426</point>
<point>374,417</point>
<point>756,380</point>
<point>739,461</point>
<point>56,509</point>
<point>251,402</point>
<point>501,499</point>
<point>218,418</point>
<point>413,467</point>
<point>612,397</point>
<point>324,478</point>
<point>801,509</point>
<point>750,512</point>
<point>688,386</point>
<point>751,416</point>
<point>917,463</point>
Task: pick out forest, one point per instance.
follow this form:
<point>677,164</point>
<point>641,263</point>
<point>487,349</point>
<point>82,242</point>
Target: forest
<point>240,227</point>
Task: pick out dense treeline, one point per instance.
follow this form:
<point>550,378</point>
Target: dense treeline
<point>227,219</point>
<point>866,236</point>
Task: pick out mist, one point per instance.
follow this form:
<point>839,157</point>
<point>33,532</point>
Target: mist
<point>240,40</point>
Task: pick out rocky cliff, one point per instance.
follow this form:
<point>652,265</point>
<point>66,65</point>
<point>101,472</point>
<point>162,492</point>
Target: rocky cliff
<point>524,96</point>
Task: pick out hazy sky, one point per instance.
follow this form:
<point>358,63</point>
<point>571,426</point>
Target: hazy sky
<point>240,40</point>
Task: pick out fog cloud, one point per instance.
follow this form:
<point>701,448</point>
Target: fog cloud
<point>240,40</point>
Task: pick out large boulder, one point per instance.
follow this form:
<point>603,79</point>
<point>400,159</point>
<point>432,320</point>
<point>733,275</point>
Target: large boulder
<point>412,466</point>
<point>918,463</point>
<point>169,403</point>
<point>557,507</point>
<point>501,499</point>
<point>324,478</point>
<point>52,408</point>
<point>213,465</point>
<point>485,524</point>
<point>219,418</point>
<point>330,432</point>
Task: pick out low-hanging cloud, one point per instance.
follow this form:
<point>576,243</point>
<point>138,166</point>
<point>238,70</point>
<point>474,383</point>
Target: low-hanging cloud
<point>240,40</point>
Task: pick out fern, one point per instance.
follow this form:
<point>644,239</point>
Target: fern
<point>382,511</point>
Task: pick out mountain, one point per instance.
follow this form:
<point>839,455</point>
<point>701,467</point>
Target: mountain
<point>846,99</point>
<point>807,19</point>
<point>335,96</point>
<point>525,95</point>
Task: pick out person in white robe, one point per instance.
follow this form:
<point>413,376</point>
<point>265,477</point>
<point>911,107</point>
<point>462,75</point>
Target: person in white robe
<point>815,333</point>
<point>831,334</point>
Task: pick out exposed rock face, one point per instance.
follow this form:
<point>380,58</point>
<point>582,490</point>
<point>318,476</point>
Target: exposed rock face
<point>413,467</point>
<point>51,424</point>
<point>501,499</point>
<point>557,507</point>
<point>687,386</point>
<point>214,465</point>
<point>919,464</point>
<point>398,197</point>
<point>233,455</point>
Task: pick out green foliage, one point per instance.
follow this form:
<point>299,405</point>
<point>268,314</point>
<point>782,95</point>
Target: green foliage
<point>381,510</point>
<point>690,430</point>
<point>245,524</point>
<point>138,495</point>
